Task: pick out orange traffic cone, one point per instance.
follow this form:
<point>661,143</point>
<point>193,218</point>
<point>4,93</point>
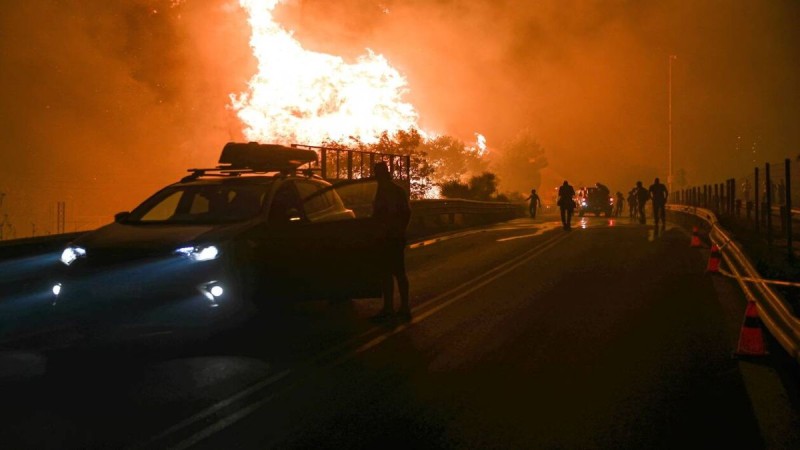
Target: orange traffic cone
<point>695,238</point>
<point>713,259</point>
<point>751,339</point>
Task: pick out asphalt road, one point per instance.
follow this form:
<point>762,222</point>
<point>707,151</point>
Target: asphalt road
<point>523,336</point>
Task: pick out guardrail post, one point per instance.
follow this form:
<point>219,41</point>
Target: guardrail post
<point>768,208</point>
<point>714,198</point>
<point>724,197</point>
<point>757,199</point>
<point>788,206</point>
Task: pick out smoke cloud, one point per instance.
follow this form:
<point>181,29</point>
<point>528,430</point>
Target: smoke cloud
<point>590,78</point>
<point>105,102</point>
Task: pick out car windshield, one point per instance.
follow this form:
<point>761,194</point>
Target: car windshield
<point>202,203</point>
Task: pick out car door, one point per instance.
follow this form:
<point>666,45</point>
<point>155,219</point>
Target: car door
<point>346,238</point>
<point>284,249</point>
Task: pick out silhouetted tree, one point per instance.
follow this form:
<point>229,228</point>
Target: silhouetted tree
<point>483,186</point>
<point>519,162</point>
<point>454,189</point>
<point>408,142</point>
<point>480,187</point>
<point>451,159</point>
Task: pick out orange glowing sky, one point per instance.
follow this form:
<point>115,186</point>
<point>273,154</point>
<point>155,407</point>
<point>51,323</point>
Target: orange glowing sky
<point>104,102</point>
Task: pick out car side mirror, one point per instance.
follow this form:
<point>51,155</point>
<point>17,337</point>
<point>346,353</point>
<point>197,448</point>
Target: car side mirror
<point>121,216</point>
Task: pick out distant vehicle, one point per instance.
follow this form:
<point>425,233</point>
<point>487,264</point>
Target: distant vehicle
<point>594,200</point>
<point>257,230</point>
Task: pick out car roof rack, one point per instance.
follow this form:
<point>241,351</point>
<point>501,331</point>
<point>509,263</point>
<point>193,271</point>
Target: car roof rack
<point>251,158</point>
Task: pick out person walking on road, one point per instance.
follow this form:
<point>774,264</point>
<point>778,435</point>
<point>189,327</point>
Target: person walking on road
<point>535,203</point>
<point>620,203</point>
<point>642,196</point>
<point>632,203</point>
<point>566,203</point>
<point>659,194</point>
<point>392,210</point>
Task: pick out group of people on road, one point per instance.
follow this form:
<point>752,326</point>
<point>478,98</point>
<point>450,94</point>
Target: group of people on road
<point>391,208</point>
<point>637,199</point>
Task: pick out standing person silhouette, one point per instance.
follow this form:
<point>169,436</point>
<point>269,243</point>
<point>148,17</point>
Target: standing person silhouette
<point>566,203</point>
<point>392,210</point>
<point>536,203</point>
<point>619,205</point>
<point>632,203</point>
<point>642,196</point>
<point>659,194</point>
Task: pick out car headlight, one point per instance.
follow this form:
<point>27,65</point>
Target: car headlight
<point>71,253</point>
<point>199,253</point>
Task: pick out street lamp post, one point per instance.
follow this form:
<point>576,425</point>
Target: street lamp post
<point>669,175</point>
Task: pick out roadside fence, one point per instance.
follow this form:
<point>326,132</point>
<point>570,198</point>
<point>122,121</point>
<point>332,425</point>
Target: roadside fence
<point>765,201</point>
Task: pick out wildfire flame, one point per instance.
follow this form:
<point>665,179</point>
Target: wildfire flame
<point>480,145</point>
<point>307,97</point>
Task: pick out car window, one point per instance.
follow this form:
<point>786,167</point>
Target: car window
<point>164,209</point>
<point>286,205</point>
<point>352,198</point>
<point>358,196</point>
<point>319,203</point>
<point>202,203</point>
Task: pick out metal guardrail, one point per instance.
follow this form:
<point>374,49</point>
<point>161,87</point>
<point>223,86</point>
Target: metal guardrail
<point>426,215</point>
<point>774,311</point>
<point>430,216</point>
<point>445,206</point>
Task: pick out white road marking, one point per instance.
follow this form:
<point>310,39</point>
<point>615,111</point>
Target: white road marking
<point>220,423</point>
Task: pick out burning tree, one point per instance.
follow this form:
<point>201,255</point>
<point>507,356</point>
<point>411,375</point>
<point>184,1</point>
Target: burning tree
<point>451,159</point>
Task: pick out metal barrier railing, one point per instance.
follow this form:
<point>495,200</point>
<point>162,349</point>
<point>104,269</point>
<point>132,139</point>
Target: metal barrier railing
<point>768,204</point>
<point>345,164</point>
<point>427,215</point>
<point>774,310</point>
